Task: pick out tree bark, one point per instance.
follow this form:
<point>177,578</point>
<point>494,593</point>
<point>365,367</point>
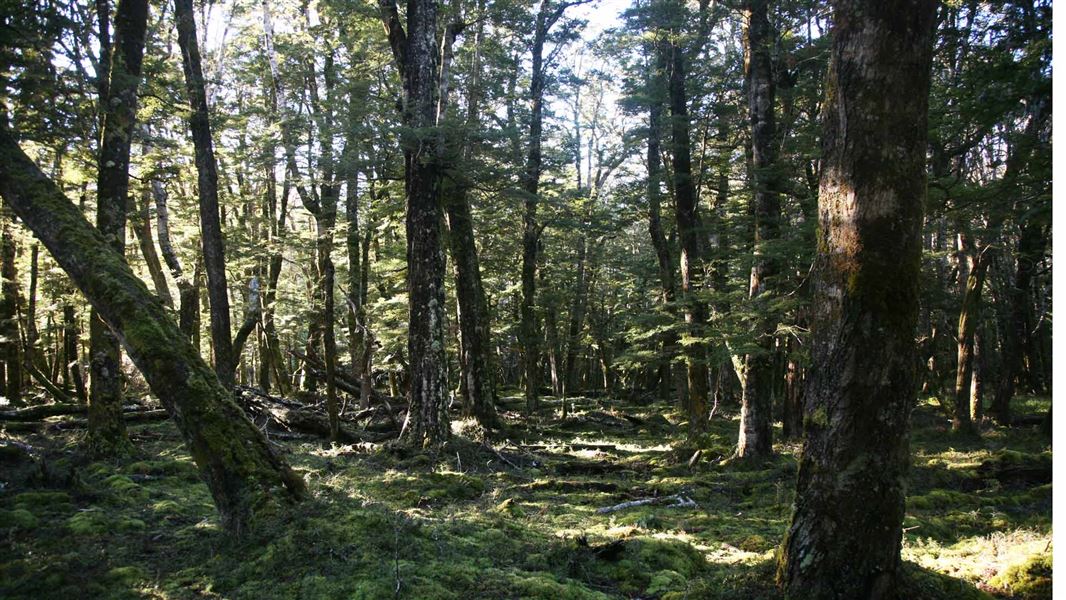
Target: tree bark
<point>207,180</point>
<point>689,233</point>
<point>475,360</point>
<point>846,531</point>
<point>9,304</point>
<point>415,51</point>
<point>244,474</point>
<point>107,429</point>
<point>969,313</point>
<point>756,411</point>
<point>1031,247</point>
<point>143,230</point>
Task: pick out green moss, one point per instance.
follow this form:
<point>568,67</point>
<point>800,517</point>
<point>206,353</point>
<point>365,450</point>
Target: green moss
<point>129,575</point>
<point>940,499</point>
<point>664,582</point>
<point>158,468</point>
<point>754,543</point>
<point>19,518</point>
<point>494,531</point>
<point>1028,580</point>
<point>545,585</point>
<point>88,522</point>
<point>41,502</point>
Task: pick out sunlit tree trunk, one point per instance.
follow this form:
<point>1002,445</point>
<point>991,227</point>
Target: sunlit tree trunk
<point>476,362</point>
<point>846,531</point>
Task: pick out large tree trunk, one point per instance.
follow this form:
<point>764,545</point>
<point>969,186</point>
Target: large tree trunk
<point>846,531</point>
<point>207,180</point>
<point>244,474</point>
<point>756,411</point>
<point>689,233</point>
<point>415,51</point>
<point>107,429</point>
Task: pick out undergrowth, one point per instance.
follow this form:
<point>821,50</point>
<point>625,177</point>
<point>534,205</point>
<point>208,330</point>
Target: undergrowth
<point>514,518</point>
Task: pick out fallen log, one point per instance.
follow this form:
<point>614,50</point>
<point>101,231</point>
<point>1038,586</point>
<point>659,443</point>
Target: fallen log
<point>291,416</point>
<point>142,416</point>
<point>44,411</point>
<point>678,500</point>
<point>36,413</point>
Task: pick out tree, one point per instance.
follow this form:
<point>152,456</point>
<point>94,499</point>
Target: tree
<point>207,181</point>
<point>756,432</point>
<point>244,474</point>
<point>416,58</point>
<point>478,385</point>
<point>846,530</point>
<point>689,232</point>
<point>107,429</point>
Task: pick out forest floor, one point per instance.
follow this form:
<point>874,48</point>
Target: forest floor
<point>517,518</point>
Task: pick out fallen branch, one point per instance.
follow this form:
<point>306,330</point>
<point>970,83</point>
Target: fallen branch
<point>679,502</point>
<point>141,416</point>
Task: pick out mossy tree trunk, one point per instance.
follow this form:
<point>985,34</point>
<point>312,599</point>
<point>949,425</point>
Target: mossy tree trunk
<point>207,181</point>
<point>415,51</point>
<point>243,473</point>
<point>846,532</point>
<point>756,412</point>
<point>107,429</point>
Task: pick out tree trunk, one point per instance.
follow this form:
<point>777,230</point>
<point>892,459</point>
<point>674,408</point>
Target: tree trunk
<point>415,51</point>
<point>72,376</point>
<point>107,429</point>
<point>527,327</point>
<point>969,314</point>
<point>846,531</point>
<point>244,474</point>
<point>9,329</point>
<point>143,229</point>
<point>475,360</point>
<point>1031,247</point>
<point>689,233</point>
<point>756,411</point>
<point>207,180</point>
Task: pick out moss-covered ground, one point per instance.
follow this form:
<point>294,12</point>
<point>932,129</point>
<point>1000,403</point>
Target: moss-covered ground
<point>516,518</point>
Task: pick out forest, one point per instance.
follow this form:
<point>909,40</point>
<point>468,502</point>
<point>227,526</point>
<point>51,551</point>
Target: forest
<point>564,299</point>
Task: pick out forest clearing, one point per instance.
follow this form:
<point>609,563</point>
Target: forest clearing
<point>656,299</point>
